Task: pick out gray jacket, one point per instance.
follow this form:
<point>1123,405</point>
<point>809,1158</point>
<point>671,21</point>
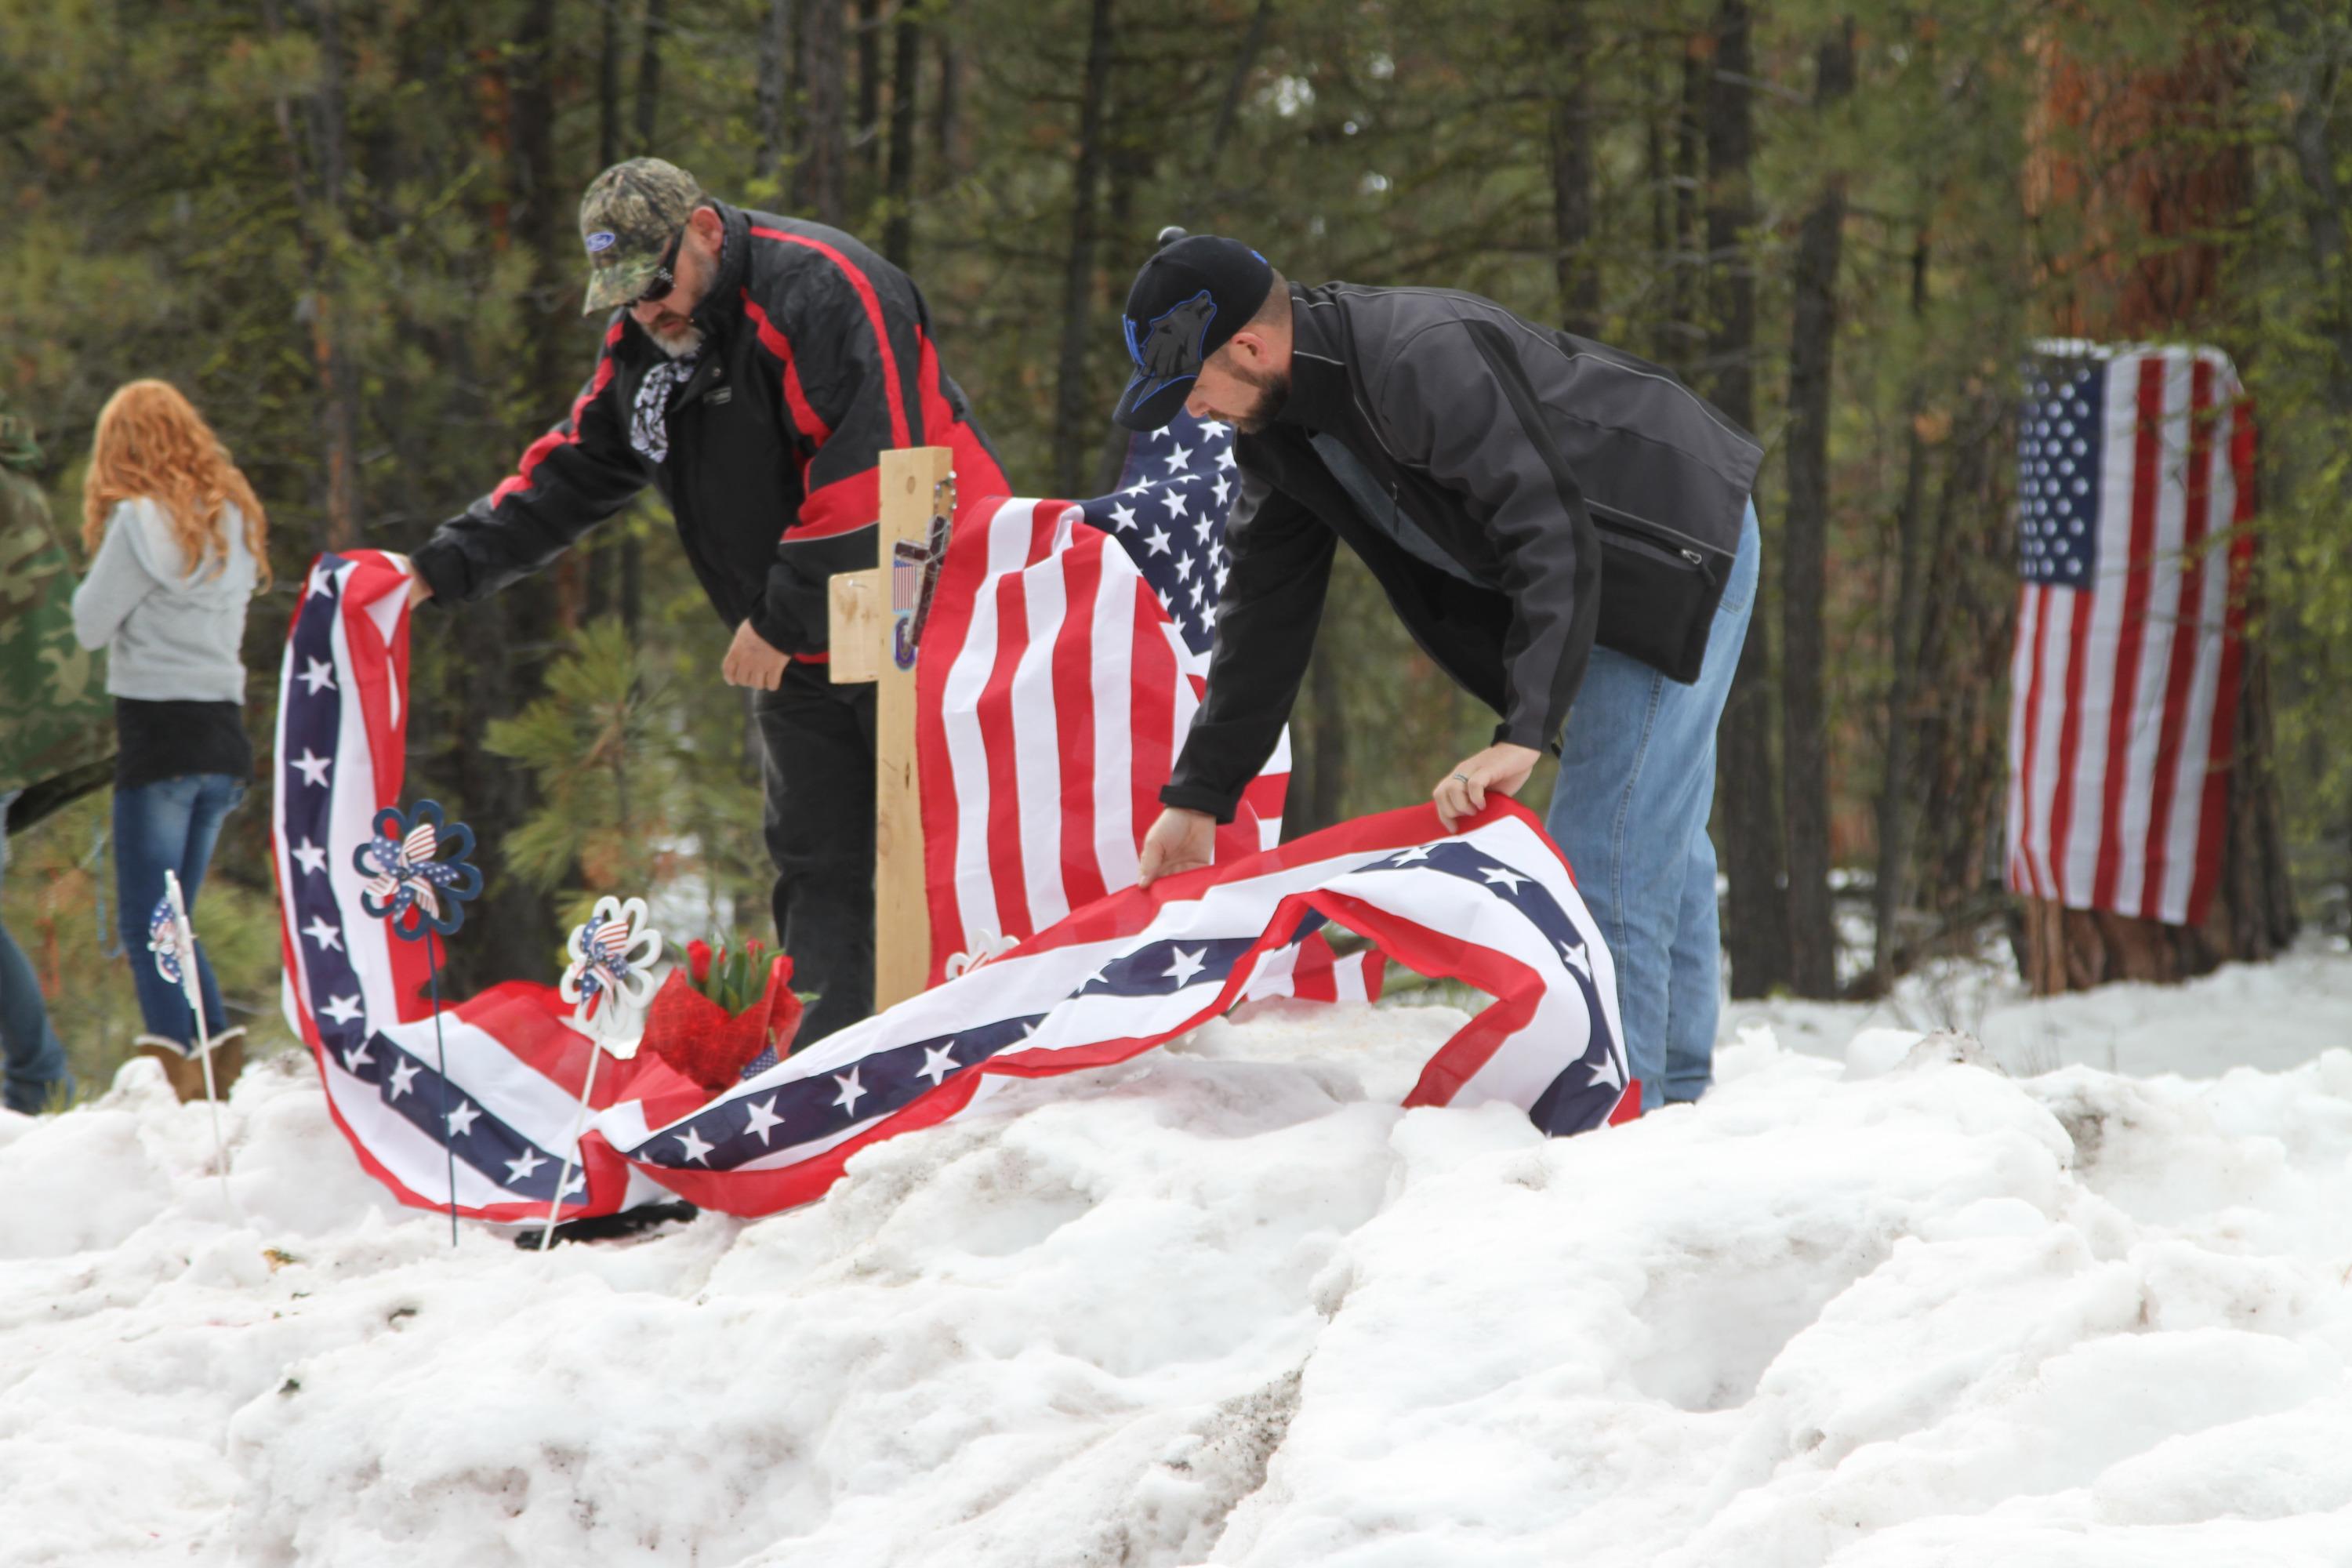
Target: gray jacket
<point>171,630</point>
<point>1519,492</point>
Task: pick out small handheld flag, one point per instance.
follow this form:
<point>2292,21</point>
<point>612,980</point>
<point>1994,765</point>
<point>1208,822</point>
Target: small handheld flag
<point>173,940</point>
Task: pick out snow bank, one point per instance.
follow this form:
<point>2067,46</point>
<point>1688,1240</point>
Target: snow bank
<point>1228,1304</point>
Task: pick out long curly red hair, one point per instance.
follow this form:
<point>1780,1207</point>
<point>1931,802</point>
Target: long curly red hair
<point>152,442</point>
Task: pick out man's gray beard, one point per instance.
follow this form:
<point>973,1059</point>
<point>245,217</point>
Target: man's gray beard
<point>679,346</point>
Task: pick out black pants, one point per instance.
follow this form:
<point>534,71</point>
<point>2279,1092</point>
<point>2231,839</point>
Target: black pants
<point>817,741</point>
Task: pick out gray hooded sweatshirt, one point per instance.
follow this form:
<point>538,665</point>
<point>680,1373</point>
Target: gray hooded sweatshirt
<point>172,629</point>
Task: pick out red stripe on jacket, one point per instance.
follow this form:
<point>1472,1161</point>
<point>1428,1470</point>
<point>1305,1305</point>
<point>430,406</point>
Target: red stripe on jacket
<point>804,414</point>
<point>536,453</point>
<point>873,302</point>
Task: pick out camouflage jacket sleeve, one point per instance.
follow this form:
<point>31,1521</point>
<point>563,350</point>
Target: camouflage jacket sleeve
<point>55,715</point>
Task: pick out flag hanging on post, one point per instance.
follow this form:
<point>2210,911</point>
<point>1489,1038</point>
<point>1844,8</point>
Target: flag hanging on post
<point>2136,470</point>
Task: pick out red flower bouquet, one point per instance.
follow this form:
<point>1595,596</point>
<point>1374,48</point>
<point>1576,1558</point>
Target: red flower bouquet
<point>721,1013</point>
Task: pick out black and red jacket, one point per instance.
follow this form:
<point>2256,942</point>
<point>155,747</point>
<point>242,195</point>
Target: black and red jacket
<point>817,358</point>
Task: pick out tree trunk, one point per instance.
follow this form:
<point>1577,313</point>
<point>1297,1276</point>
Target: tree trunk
<point>1804,559</point>
<point>1756,931</point>
<point>1578,272</point>
<point>947,122</point>
<point>2135,158</point>
<point>649,53</point>
<point>502,649</point>
<point>1911,586</point>
<point>315,174</point>
<point>775,105</point>
<point>1073,414</point>
<point>1678,335</point>
<point>608,86</point>
<point>607,582</point>
<point>1229,105</point>
<point>868,136</point>
<point>898,195</point>
<point>819,185</point>
<point>536,216</point>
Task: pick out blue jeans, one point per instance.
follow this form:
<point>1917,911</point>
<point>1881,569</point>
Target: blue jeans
<point>1636,782</point>
<point>170,825</point>
<point>36,1060</point>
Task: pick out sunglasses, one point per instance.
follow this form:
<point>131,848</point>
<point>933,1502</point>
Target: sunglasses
<point>664,277</point>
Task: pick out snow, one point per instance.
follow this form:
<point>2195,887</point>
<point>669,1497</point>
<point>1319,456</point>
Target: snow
<point>1874,1302</point>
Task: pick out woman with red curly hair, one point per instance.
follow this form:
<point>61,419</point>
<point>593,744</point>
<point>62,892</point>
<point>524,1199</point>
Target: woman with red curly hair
<point>178,546</point>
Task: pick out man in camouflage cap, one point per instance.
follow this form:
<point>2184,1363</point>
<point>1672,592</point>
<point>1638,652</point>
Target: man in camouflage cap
<point>56,735</point>
<point>753,370</point>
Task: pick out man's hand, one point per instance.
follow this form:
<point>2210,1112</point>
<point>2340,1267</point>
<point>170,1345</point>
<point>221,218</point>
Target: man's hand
<point>1180,840</point>
<point>1502,768</point>
<point>419,590</point>
<point>751,661</point>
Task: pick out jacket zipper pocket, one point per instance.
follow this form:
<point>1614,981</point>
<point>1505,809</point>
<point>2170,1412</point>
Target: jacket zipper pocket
<point>1684,560</point>
<point>1624,525</point>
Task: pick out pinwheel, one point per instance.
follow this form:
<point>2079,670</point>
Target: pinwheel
<point>610,980</point>
<point>418,893</point>
<point>408,884</point>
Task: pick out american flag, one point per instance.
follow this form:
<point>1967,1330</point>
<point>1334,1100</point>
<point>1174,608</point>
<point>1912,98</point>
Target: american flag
<point>1169,510</point>
<point>2135,469</point>
<point>1492,905</point>
<point>1057,678</point>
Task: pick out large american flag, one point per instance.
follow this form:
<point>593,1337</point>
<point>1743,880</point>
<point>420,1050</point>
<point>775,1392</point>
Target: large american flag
<point>1057,675</point>
<point>1492,905</point>
<point>2134,471</point>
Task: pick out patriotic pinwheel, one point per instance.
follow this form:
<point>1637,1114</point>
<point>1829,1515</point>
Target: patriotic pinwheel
<point>408,884</point>
<point>610,979</point>
<point>613,955</point>
<point>419,894</point>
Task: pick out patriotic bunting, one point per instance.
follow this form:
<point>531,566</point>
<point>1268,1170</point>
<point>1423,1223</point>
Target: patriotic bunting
<point>1120,972</point>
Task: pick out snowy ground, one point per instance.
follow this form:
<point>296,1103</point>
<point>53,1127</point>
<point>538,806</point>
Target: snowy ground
<point>1874,1307</point>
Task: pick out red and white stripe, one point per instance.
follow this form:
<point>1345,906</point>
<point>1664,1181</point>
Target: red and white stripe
<point>1054,694</point>
<point>2123,694</point>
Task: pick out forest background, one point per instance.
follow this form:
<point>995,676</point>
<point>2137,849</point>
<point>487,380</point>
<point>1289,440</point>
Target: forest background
<point>347,231</point>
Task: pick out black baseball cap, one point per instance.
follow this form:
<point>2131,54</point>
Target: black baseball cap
<point>1187,302</point>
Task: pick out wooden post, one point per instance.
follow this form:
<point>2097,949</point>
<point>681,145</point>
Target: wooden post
<point>875,617</point>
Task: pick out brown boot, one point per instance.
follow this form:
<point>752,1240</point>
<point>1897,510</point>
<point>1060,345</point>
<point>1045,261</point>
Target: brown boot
<point>187,1074</point>
<point>184,1074</point>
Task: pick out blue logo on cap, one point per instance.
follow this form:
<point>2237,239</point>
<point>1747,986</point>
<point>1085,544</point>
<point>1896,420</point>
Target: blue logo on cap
<point>602,240</point>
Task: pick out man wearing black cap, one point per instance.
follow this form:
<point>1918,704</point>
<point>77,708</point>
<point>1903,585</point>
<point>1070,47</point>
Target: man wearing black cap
<point>1565,529</point>
<point>754,369</point>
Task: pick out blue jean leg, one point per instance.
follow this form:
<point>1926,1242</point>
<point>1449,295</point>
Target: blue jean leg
<point>36,1058</point>
<point>171,823</point>
<point>1630,811</point>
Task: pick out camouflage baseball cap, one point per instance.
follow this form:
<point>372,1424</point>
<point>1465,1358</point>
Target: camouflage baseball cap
<point>628,219</point>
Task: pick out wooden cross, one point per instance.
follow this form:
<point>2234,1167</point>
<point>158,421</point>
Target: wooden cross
<point>877,616</point>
